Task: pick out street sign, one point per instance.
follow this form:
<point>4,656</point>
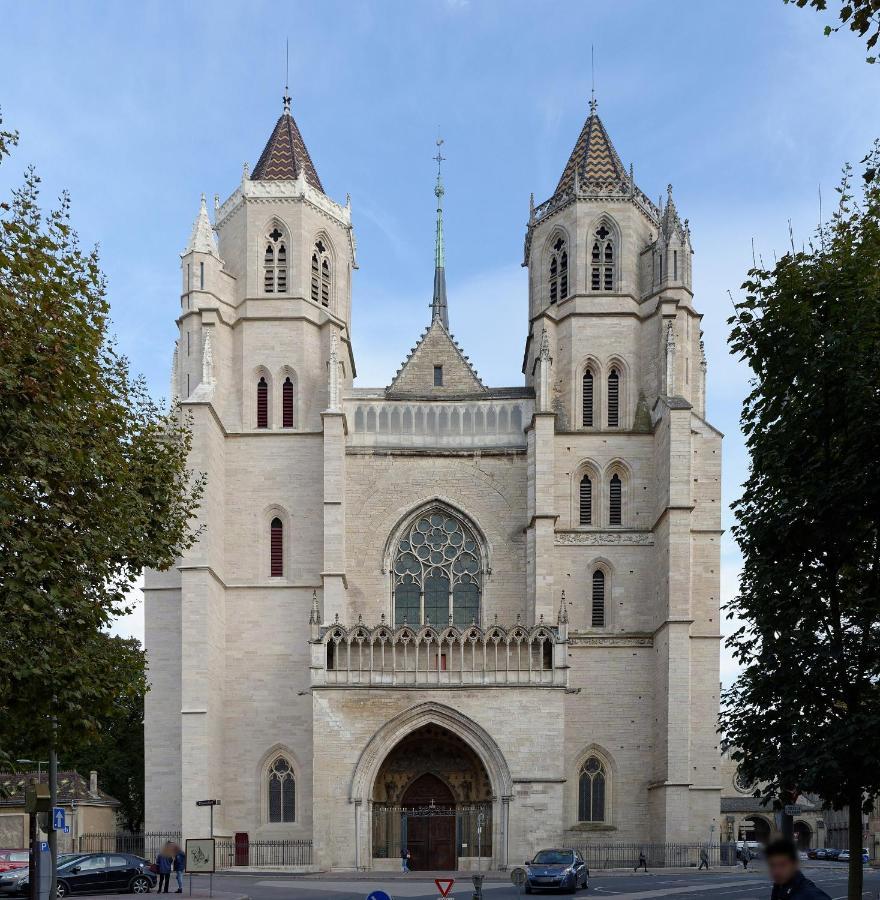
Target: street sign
<point>379,895</point>
<point>793,809</point>
<point>207,802</point>
<point>67,829</point>
<point>44,846</point>
<point>58,821</point>
<point>444,885</point>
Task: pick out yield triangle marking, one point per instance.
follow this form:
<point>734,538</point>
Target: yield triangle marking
<point>444,885</point>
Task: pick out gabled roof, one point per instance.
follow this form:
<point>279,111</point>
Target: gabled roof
<point>71,786</point>
<point>594,159</point>
<point>415,377</point>
<point>286,155</point>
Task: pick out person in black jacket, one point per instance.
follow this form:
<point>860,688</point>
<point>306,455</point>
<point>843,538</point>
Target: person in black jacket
<point>789,883</point>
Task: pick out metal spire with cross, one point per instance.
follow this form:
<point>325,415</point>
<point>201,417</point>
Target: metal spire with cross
<point>286,98</point>
<point>438,304</point>
<point>593,103</point>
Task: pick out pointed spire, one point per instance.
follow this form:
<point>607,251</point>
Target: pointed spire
<point>285,156</point>
<point>438,305</point>
<point>315,614</point>
<point>201,240</point>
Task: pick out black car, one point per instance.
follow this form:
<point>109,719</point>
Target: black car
<point>92,873</point>
<point>556,869</point>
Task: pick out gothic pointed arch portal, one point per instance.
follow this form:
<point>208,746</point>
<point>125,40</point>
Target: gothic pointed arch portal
<point>431,795</point>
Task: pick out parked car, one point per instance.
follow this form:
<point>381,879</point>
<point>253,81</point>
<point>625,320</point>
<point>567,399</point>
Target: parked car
<point>813,853</point>
<point>844,856</point>
<point>12,880</point>
<point>831,853</point>
<point>13,859</point>
<point>822,853</point>
<point>93,873</point>
<point>556,869</point>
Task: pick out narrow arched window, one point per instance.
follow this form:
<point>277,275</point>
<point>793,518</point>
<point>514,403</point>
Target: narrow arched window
<point>591,791</point>
<point>287,403</point>
<point>558,271</point>
<point>275,262</point>
<point>321,274</point>
<point>262,403</point>
<point>587,400</point>
<point>586,501</point>
<point>602,260</point>
<point>613,399</point>
<point>281,792</point>
<point>276,548</point>
<point>615,513</point>
<point>597,609</point>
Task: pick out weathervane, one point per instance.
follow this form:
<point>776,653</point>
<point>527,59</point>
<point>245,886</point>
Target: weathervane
<point>593,103</point>
<point>286,98</point>
<point>438,189</point>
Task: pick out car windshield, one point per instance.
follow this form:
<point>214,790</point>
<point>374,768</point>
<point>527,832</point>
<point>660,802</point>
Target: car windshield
<point>14,856</point>
<point>554,858</point>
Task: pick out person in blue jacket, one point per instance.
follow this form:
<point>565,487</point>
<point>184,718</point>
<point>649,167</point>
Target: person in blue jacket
<point>179,867</point>
<point>164,864</point>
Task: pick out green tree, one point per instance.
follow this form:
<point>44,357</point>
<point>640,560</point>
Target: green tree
<point>806,708</point>
<point>860,16</point>
<point>93,484</point>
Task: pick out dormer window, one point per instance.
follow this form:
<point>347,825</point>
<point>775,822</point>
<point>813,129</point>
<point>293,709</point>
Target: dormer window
<point>321,274</point>
<point>558,271</point>
<point>602,260</point>
<point>275,263</point>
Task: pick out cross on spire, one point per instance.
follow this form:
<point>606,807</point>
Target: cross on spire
<point>438,305</point>
<point>286,98</point>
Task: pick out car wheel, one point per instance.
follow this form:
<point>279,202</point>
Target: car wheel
<point>61,889</point>
<point>140,885</point>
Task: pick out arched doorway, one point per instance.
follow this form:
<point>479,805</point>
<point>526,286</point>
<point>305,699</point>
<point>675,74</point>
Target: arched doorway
<point>433,796</point>
<point>802,835</point>
<point>430,838</point>
<point>757,829</point>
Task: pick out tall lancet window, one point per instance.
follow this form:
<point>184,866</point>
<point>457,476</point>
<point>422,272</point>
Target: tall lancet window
<point>262,403</point>
<point>321,274</point>
<point>602,260</point>
<point>615,500</point>
<point>275,262</point>
<point>558,271</point>
<point>613,399</point>
<point>276,548</point>
<point>438,572</point>
<point>282,792</point>
<point>587,400</point>
<point>586,501</point>
<point>287,403</point>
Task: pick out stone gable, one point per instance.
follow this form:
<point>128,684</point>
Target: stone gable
<point>436,348</point>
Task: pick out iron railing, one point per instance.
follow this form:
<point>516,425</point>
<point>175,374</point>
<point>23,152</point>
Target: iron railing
<point>657,856</point>
<point>262,854</point>
<point>145,843</point>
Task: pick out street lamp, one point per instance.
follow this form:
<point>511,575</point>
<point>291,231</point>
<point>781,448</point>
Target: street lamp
<point>39,763</point>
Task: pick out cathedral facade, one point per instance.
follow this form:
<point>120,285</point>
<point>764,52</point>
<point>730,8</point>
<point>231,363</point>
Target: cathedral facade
<point>467,620</point>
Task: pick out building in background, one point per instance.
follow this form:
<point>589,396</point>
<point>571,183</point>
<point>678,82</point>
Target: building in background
<point>473,620</point>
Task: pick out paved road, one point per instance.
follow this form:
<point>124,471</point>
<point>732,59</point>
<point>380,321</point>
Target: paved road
<point>691,886</point>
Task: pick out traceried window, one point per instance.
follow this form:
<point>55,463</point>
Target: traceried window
<point>287,403</point>
<point>587,402</point>
<point>276,548</point>
<point>591,791</point>
<point>615,500</point>
<point>613,398</point>
<point>597,608</point>
<point>321,274</point>
<point>275,262</point>
<point>602,260</point>
<point>281,792</point>
<point>558,271</point>
<point>586,501</point>
<point>437,572</point>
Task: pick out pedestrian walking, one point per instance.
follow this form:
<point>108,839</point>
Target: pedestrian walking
<point>643,862</point>
<point>179,867</point>
<point>704,859</point>
<point>164,864</point>
<point>404,860</point>
<point>789,883</point>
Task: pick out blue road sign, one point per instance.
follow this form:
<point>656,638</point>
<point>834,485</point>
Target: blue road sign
<point>44,846</point>
<point>58,821</point>
<point>379,895</point>
<point>67,829</point>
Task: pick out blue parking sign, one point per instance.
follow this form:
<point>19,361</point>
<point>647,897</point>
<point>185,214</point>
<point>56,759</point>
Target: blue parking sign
<point>58,820</point>
<point>379,895</point>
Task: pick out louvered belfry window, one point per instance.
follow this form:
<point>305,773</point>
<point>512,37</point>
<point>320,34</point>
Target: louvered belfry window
<point>588,399</point>
<point>597,617</point>
<point>262,404</point>
<point>276,548</point>
<point>275,263</point>
<point>287,404</point>
<point>615,512</point>
<point>321,272</point>
<point>558,271</point>
<point>602,260</point>
<point>586,501</point>
<point>613,399</point>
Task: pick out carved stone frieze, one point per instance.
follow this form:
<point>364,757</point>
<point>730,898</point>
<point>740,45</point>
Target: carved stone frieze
<point>579,640</point>
<point>603,538</point>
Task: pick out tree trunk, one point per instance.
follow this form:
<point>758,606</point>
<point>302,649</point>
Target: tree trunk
<point>856,868</point>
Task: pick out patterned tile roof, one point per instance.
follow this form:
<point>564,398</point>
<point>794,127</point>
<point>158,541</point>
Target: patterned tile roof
<point>285,155</point>
<point>594,159</point>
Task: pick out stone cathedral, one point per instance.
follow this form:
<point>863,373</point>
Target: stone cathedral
<point>468,620</point>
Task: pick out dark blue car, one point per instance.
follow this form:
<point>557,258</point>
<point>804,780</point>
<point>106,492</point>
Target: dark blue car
<point>94,873</point>
<point>561,870</point>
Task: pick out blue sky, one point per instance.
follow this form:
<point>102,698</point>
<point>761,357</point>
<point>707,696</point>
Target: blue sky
<point>138,108</point>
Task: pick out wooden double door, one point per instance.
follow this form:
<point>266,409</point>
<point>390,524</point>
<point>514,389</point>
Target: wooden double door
<point>430,829</point>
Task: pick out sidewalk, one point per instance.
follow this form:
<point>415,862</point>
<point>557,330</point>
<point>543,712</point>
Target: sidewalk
<point>197,892</point>
<point>493,875</point>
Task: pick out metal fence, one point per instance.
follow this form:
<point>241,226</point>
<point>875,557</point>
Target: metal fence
<point>144,843</point>
<point>259,854</point>
<point>657,856</point>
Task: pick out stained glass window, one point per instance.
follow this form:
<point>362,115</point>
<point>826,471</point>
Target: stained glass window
<point>437,572</point>
<point>591,791</point>
<point>282,792</point>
